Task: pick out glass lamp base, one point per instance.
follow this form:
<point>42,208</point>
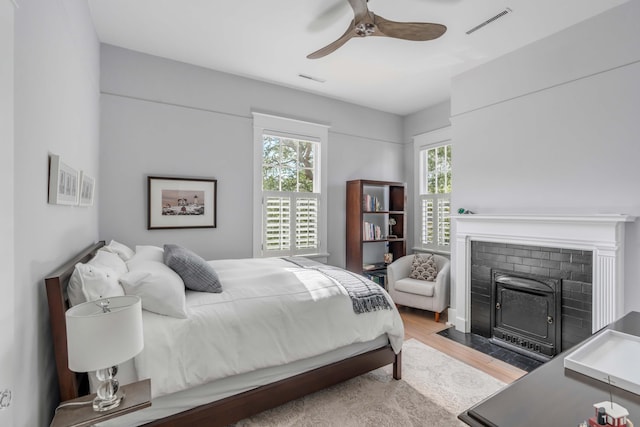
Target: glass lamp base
<point>108,393</point>
<point>104,404</point>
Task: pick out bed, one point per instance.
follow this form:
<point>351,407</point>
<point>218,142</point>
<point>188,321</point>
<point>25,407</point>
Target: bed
<point>239,393</point>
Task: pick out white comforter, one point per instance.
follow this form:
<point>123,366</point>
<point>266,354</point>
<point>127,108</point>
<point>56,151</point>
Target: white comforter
<point>270,312</point>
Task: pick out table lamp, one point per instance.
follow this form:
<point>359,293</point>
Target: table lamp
<point>100,335</point>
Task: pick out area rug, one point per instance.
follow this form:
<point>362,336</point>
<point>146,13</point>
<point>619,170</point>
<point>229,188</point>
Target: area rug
<point>434,389</point>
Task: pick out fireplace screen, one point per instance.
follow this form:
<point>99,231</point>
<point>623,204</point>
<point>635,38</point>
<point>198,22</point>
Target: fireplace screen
<point>526,314</point>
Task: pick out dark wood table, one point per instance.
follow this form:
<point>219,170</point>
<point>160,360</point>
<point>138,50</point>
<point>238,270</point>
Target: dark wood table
<point>138,396</point>
<point>554,396</point>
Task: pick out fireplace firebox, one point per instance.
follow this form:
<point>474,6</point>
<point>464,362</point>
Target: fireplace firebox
<point>526,314</point>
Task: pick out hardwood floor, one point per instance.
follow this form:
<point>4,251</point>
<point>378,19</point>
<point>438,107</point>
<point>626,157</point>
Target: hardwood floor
<point>420,324</point>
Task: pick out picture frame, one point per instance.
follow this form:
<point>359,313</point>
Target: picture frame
<point>64,182</point>
<point>175,202</point>
<point>87,189</point>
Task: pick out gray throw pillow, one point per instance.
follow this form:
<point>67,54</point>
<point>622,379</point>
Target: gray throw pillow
<point>195,272</point>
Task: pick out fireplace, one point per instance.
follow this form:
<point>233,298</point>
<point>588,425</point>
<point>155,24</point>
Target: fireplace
<point>526,314</point>
<point>532,275</point>
<point>602,236</point>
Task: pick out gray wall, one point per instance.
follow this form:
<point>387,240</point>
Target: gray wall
<point>553,128</point>
<point>56,111</point>
<point>161,117</point>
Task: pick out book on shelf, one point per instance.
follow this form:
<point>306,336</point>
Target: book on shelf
<point>371,231</point>
<point>371,203</point>
<point>379,277</point>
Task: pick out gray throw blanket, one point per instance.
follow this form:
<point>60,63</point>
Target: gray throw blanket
<point>365,295</point>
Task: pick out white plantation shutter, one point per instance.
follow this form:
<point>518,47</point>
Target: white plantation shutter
<point>277,223</point>
<point>427,221</point>
<point>444,221</point>
<point>306,222</point>
<point>436,220</point>
<point>291,223</point>
<point>435,227</point>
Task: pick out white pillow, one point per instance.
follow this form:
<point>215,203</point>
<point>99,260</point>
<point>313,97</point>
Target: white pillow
<point>121,250</point>
<point>109,260</point>
<point>148,253</point>
<point>159,287</point>
<point>90,282</point>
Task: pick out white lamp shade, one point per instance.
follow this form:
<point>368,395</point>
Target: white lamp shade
<point>98,340</point>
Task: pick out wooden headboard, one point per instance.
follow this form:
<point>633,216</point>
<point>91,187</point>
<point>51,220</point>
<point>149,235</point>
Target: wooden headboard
<point>71,384</point>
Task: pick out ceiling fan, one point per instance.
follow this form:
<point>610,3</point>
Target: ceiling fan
<point>366,23</point>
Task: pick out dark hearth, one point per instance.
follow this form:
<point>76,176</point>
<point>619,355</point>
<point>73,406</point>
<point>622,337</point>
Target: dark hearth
<point>526,314</point>
<point>573,268</point>
<point>484,345</point>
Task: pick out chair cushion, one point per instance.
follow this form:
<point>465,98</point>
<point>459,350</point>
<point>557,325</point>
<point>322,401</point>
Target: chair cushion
<point>424,267</point>
<point>415,286</point>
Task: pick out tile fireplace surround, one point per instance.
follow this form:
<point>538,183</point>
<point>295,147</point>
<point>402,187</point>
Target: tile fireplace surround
<point>601,234</point>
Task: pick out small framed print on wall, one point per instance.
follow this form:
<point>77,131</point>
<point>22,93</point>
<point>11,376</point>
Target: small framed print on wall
<point>181,202</point>
<point>87,189</point>
<point>64,182</point>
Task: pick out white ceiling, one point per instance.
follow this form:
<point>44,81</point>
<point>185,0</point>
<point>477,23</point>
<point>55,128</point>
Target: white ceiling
<point>269,40</point>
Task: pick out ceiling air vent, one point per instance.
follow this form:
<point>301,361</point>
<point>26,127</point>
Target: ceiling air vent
<point>490,20</point>
<point>308,77</point>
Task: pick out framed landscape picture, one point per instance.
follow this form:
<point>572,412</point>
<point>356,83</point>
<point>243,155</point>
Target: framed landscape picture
<point>64,182</point>
<point>181,202</point>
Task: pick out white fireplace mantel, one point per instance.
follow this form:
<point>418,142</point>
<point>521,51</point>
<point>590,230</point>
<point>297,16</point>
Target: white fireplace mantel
<point>601,234</point>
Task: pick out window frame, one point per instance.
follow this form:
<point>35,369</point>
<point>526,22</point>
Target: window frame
<point>427,141</point>
<point>296,129</point>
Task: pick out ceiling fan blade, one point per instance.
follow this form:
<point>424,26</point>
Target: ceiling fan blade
<point>360,9</point>
<point>418,31</point>
<point>328,16</point>
<point>351,32</point>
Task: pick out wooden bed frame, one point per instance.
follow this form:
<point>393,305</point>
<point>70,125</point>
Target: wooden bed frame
<point>220,412</point>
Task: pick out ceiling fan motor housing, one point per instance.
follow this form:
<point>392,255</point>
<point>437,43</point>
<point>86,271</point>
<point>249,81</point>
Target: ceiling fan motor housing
<point>365,29</point>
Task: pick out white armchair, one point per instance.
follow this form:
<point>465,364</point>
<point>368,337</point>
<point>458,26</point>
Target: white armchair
<point>426,295</point>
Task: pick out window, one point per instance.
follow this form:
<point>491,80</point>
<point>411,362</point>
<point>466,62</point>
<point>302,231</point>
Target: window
<point>290,207</point>
<point>290,191</point>
<point>434,191</point>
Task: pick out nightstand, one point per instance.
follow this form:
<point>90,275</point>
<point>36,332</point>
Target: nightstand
<point>137,396</point>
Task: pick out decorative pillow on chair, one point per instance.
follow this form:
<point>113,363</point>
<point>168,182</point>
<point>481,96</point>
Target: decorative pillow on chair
<point>197,274</point>
<point>90,282</point>
<point>424,267</point>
